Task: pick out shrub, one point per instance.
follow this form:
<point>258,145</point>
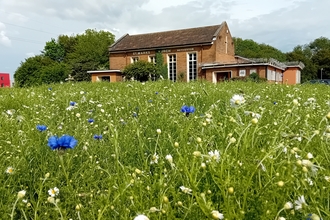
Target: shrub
<point>141,71</point>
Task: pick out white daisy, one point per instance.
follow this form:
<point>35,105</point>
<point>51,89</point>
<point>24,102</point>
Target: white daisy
<point>237,100</point>
<point>217,215</point>
<point>53,192</point>
<point>300,203</point>
<point>215,155</point>
<point>10,170</point>
<point>154,159</point>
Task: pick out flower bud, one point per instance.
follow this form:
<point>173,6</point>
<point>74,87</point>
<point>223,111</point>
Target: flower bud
<point>21,194</point>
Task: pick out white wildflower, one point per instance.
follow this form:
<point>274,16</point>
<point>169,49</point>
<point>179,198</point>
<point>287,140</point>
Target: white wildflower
<point>141,217</point>
<point>217,215</point>
<point>185,190</point>
<point>215,155</point>
<point>237,100</point>
<point>300,203</point>
<point>10,170</point>
<point>154,159</point>
<point>53,192</point>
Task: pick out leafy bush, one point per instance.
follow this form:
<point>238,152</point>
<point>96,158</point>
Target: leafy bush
<point>141,71</point>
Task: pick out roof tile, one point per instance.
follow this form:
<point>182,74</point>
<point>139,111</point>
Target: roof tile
<point>191,36</point>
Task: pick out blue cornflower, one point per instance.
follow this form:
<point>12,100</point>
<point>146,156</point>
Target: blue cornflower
<point>156,93</point>
<point>41,127</point>
<point>97,137</point>
<point>62,143</point>
<point>50,89</point>
<point>90,120</point>
<point>275,103</point>
<point>187,109</point>
<point>72,103</point>
<point>150,100</point>
<point>135,114</point>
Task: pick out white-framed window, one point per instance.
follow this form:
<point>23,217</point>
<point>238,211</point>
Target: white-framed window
<point>192,66</point>
<point>253,71</point>
<point>152,59</point>
<point>134,59</point>
<point>242,73</point>
<point>172,67</point>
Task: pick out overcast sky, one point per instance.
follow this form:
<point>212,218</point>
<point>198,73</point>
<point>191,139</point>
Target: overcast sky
<point>25,26</point>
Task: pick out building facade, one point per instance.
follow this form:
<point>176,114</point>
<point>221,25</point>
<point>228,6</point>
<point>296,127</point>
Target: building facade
<point>4,80</point>
<point>190,54</point>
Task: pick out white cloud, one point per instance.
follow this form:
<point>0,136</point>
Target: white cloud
<point>4,39</point>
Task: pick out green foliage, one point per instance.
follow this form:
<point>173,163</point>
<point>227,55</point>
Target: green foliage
<point>73,55</point>
<point>141,71</point>
<point>244,168</point>
<point>54,51</point>
<point>315,56</point>
<point>40,69</point>
<point>161,65</point>
<point>90,53</point>
<point>251,49</point>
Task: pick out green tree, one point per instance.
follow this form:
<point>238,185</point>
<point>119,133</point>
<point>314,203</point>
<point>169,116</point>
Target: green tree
<point>315,56</point>
<point>90,53</point>
<point>54,51</point>
<point>161,67</point>
<point>38,70</point>
<point>141,71</point>
<point>251,49</point>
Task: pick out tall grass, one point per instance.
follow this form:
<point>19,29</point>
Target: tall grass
<point>245,160</point>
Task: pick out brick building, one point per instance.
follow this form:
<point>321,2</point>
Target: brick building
<point>4,80</point>
<point>191,54</point>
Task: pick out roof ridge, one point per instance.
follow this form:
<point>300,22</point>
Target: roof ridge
<point>183,29</point>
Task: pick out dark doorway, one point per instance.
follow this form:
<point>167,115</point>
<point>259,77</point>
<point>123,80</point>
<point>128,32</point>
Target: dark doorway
<point>222,76</point>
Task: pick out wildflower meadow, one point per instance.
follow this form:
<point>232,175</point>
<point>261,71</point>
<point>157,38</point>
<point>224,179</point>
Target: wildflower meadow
<point>163,150</point>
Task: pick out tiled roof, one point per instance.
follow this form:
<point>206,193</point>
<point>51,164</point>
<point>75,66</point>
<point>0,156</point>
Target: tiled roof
<point>191,36</point>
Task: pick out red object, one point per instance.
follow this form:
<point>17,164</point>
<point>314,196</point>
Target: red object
<point>4,80</point>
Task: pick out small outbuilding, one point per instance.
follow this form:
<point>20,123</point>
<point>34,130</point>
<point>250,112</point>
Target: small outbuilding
<point>106,75</point>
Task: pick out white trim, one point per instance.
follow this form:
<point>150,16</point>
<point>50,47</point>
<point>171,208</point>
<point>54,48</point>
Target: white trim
<point>168,66</point>
<point>187,59</point>
<point>104,71</point>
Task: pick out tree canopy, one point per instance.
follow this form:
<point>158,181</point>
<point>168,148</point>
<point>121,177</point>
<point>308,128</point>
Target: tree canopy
<point>68,55</point>
<point>315,55</point>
